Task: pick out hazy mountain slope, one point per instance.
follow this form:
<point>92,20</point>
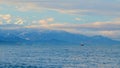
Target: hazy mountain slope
<point>51,37</point>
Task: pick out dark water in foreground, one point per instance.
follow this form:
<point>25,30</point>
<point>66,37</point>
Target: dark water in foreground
<point>59,57</point>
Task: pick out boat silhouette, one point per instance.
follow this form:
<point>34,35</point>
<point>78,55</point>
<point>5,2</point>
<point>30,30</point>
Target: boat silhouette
<point>81,44</point>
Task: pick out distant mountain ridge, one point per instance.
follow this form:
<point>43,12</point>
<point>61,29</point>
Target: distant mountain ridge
<point>44,36</point>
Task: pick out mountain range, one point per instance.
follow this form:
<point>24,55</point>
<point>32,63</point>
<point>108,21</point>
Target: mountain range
<point>51,37</point>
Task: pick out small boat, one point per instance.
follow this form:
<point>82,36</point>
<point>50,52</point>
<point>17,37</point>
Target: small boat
<point>82,44</point>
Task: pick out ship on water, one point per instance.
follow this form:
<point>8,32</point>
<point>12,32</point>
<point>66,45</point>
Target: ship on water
<point>82,44</point>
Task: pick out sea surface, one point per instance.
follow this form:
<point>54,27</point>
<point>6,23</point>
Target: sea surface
<point>40,56</point>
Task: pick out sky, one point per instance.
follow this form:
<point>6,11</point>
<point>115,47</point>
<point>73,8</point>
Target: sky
<point>88,17</point>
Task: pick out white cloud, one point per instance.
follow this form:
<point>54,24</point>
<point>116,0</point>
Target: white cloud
<point>43,22</point>
<point>34,22</point>
<point>27,7</point>
<point>6,17</point>
<point>96,26</point>
<point>1,22</point>
<point>8,21</point>
<point>19,21</point>
<point>86,7</point>
<point>46,21</point>
<point>50,19</point>
<point>78,19</point>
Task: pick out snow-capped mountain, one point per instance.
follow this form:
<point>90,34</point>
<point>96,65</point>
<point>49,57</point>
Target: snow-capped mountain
<point>44,36</point>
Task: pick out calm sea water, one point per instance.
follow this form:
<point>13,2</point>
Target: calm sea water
<point>59,56</point>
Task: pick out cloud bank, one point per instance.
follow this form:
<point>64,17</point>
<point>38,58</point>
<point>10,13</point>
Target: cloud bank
<point>52,14</point>
<point>81,7</point>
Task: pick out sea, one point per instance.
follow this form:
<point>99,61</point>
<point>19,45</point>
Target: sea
<point>56,56</point>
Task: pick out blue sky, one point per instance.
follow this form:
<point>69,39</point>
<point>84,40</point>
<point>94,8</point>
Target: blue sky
<point>89,17</point>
